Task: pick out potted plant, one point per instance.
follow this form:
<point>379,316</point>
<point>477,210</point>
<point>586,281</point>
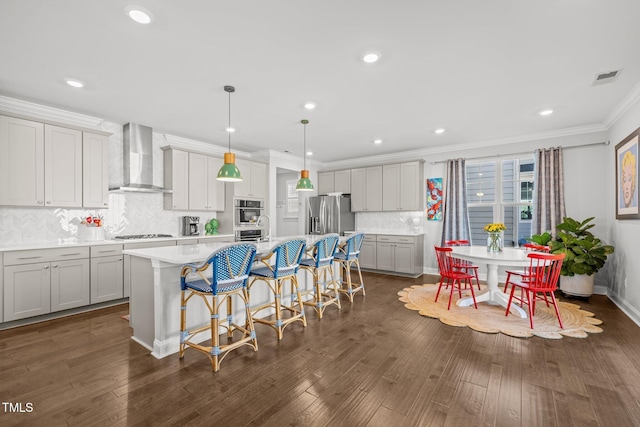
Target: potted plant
<point>585,254</point>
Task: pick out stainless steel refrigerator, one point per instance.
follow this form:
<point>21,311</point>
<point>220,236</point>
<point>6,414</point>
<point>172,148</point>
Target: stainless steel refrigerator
<point>329,214</point>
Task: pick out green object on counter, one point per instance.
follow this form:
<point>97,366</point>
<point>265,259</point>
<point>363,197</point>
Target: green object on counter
<point>211,227</point>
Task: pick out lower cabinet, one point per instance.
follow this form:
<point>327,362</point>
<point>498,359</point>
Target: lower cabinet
<point>367,258</point>
<point>44,281</point>
<point>106,273</point>
<point>393,253</point>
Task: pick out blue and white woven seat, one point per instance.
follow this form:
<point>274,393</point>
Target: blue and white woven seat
<point>223,275</point>
<point>287,256</point>
<point>347,257</point>
<point>325,290</point>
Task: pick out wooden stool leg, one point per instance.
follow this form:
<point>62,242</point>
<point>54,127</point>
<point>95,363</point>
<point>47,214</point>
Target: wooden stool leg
<point>249,319</point>
<point>278,302</point>
<point>215,338</point>
<point>357,263</point>
<point>229,317</point>
<point>183,323</point>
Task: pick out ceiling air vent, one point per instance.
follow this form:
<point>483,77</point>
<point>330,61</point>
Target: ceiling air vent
<point>607,77</point>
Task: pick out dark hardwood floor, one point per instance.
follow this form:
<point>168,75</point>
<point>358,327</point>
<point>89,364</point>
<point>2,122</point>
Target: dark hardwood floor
<point>373,363</point>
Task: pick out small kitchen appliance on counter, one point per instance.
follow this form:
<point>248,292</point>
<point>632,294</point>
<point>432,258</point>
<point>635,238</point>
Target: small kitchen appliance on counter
<point>190,225</point>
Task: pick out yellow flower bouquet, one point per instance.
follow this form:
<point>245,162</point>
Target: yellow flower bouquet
<point>495,227</point>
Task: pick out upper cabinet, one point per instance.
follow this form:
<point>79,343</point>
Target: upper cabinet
<point>366,189</point>
<point>254,180</point>
<point>95,170</point>
<point>395,187</point>
<point>338,181</point>
<point>205,192</point>
<point>176,178</point>
<point>42,165</point>
<point>401,188</point>
<point>192,179</point>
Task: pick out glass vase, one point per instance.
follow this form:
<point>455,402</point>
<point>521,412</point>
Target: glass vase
<point>494,242</point>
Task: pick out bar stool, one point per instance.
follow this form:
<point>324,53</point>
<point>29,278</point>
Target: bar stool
<point>224,274</point>
<point>287,261</point>
<point>348,256</point>
<point>325,291</point>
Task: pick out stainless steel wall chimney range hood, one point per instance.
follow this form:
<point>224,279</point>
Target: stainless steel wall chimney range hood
<point>138,160</point>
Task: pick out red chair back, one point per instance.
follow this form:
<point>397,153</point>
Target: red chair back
<point>457,243</point>
<point>445,261</point>
<point>536,247</point>
<point>544,271</point>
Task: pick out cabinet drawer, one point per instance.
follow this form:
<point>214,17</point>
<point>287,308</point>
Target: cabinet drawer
<point>370,238</point>
<point>106,250</point>
<point>45,255</point>
<point>395,239</point>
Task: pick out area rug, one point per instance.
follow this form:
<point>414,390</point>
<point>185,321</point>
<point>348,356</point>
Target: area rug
<point>491,319</point>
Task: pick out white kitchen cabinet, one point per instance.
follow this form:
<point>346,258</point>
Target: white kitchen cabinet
<point>95,170</point>
<point>176,179</point>
<point>400,254</point>
<point>69,284</point>
<point>44,165</point>
<point>402,187</point>
<point>205,192</point>
<point>338,181</point>
<point>342,181</point>
<point>62,167</point>
<point>366,189</point>
<point>21,162</point>
<point>254,180</point>
<point>326,183</point>
<point>106,273</point>
<point>367,257</point>
<point>42,281</point>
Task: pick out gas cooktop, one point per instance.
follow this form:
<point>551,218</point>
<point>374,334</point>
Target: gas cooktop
<point>141,236</point>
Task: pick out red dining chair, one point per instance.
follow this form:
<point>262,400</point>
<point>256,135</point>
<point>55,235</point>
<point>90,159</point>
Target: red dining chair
<point>530,247</point>
<point>451,275</point>
<point>539,284</point>
<point>462,264</point>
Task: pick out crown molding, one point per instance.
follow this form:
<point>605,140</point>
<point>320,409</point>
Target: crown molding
<point>202,147</point>
<point>38,111</point>
<point>424,153</point>
<point>624,106</point>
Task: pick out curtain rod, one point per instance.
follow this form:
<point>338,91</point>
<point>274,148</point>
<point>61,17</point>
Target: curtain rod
<point>526,152</point>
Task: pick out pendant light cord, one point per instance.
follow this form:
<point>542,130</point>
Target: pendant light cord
<point>304,153</point>
<point>229,127</point>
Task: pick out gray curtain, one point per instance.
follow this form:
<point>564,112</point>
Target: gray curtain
<point>456,217</point>
<point>548,197</point>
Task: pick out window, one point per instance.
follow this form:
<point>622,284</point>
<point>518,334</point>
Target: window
<point>501,191</point>
<point>292,199</point>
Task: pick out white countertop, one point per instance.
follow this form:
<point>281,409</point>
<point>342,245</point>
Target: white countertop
<point>185,254</point>
<point>61,243</point>
<point>390,232</point>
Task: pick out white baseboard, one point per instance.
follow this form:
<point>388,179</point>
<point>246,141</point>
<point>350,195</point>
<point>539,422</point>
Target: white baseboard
<point>627,309</point>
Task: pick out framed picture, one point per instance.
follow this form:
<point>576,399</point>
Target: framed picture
<point>434,199</point>
<point>627,177</point>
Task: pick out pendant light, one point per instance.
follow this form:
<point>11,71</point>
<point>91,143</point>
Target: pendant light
<point>229,172</point>
<point>304,183</point>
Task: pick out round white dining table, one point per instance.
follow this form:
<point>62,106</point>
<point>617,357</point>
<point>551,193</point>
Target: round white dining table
<point>509,257</point>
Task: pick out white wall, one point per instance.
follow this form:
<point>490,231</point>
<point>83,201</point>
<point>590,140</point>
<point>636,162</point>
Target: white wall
<point>624,271</point>
<point>284,226</point>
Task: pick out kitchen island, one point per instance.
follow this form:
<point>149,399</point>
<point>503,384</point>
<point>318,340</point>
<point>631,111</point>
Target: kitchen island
<point>154,304</point>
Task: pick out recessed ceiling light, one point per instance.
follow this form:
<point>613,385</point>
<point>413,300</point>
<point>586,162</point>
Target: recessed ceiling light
<point>309,153</point>
<point>546,112</point>
<point>377,141</point>
<point>310,105</point>
<point>230,130</point>
<point>371,57</point>
<point>74,83</point>
<point>439,131</point>
<point>139,14</point>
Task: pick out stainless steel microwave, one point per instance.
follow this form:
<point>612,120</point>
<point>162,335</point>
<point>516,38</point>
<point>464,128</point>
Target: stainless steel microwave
<point>247,212</point>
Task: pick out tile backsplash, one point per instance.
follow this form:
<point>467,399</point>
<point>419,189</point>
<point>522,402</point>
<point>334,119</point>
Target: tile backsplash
<point>128,213</point>
<point>391,222</point>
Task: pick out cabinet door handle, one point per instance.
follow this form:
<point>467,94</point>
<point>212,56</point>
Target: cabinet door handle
<point>77,253</point>
<point>54,266</point>
<point>48,202</point>
<point>39,202</point>
<point>46,267</point>
<point>30,257</point>
<point>119,259</point>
